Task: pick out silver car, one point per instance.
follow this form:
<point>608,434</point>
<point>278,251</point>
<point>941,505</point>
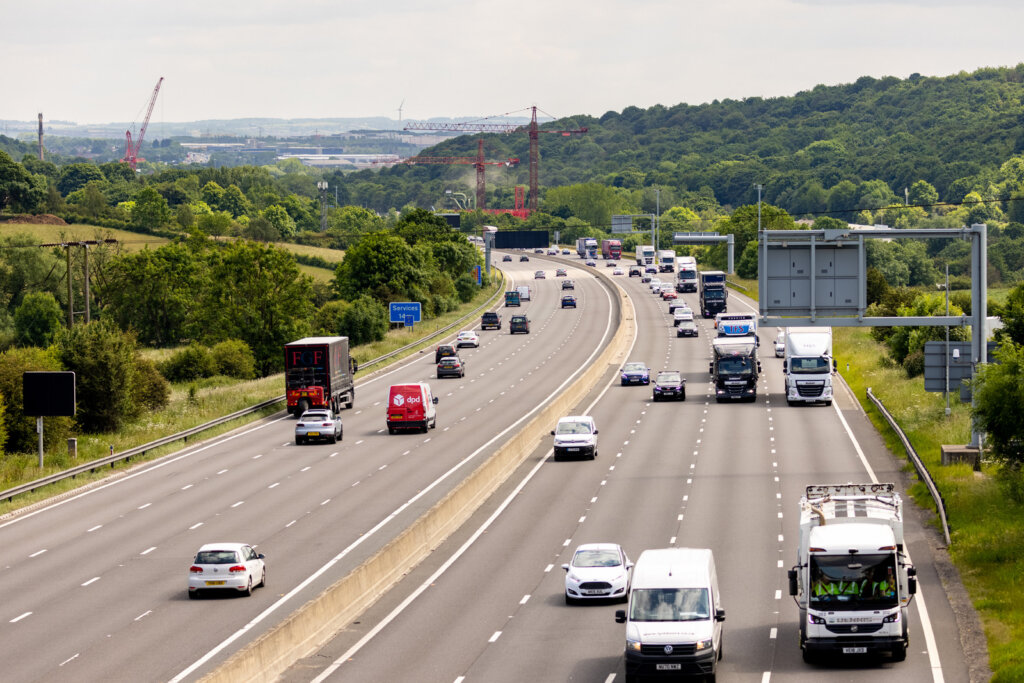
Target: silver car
<point>317,424</point>
<point>232,567</point>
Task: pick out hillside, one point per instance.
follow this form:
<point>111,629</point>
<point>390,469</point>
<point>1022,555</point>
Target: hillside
<point>951,131</point>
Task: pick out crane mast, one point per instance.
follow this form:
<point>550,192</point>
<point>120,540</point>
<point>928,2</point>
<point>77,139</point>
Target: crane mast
<point>131,148</point>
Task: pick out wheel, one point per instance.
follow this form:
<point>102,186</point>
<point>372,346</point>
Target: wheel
<point>302,407</point>
<point>263,579</point>
<point>710,678</point>
<point>899,654</point>
<point>391,430</point>
<point>248,589</point>
<point>299,441</point>
<point>193,595</point>
<point>341,434</point>
<point>828,403</point>
<point>333,439</point>
<point>809,658</point>
<point>790,402</point>
<point>569,601</point>
<point>351,400</point>
<point>556,456</point>
<point>682,396</point>
<point>425,427</point>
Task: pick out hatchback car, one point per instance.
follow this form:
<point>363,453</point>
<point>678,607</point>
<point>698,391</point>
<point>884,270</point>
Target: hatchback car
<point>451,366</point>
<point>519,323</point>
<point>597,571</point>
<point>538,251</point>
<point>651,269</point>
<point>635,373</point>
<point>506,257</point>
<point>232,567</point>
<point>675,304</point>
<point>552,252</point>
<point>539,275</point>
<point>568,284</point>
<point>686,328</point>
<point>468,338</point>
<point>645,279</point>
<point>780,344</point>
<point>524,257</point>
<point>316,424</point>
<point>591,262</point>
<point>669,384</point>
<point>654,284</point>
<point>568,301</point>
<point>609,264</point>
<point>560,272</point>
<point>575,436</point>
<point>617,271</point>
<point>668,294</point>
<point>635,271</point>
<point>681,314</point>
<point>565,252</point>
<point>443,350</point>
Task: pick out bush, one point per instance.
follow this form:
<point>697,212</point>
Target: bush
<point>21,429</point>
<point>913,364</point>
<point>151,390</point>
<point>364,321</point>
<point>38,319</point>
<point>103,358</point>
<point>465,286</point>
<point>190,363</point>
<point>328,319</point>
<point>234,358</point>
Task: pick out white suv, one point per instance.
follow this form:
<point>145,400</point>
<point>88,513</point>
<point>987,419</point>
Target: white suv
<point>575,435</point>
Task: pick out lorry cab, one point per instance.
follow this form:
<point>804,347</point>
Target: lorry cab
<point>675,615</point>
<point>411,406</point>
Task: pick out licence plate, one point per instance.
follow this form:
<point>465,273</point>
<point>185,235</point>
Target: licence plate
<point>572,450</point>
<point>312,433</point>
<point>668,667</point>
<point>396,417</point>
<point>214,583</point>
<point>593,592</point>
<point>855,650</point>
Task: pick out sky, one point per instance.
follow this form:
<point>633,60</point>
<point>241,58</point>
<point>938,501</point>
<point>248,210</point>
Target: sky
<point>97,61</point>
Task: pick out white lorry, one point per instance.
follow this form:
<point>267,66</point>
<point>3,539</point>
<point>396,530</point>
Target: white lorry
<point>852,582</point>
<point>808,365</point>
<point>644,255</point>
<point>686,278</point>
<point>666,261</point>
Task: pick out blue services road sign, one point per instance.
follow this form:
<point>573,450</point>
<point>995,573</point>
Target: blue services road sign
<point>476,273</point>
<point>405,312</point>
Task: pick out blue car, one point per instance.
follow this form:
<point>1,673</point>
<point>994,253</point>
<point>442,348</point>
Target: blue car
<point>635,373</point>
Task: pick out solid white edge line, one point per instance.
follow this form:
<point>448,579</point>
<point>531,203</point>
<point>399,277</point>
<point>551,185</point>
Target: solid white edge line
<point>319,572</point>
<point>926,624</point>
<point>372,633</point>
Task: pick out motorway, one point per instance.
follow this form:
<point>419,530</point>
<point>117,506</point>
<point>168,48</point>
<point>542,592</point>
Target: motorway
<point>94,584</point>
<point>488,605</point>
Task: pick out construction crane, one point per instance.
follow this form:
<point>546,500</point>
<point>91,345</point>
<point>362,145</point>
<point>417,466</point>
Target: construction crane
<point>131,148</point>
<point>533,130</point>
<point>477,161</point>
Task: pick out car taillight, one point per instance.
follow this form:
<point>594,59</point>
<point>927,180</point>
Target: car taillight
<point>326,424</point>
<point>237,568</point>
<point>195,570</point>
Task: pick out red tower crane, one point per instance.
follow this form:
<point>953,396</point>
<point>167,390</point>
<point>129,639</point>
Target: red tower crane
<point>131,149</point>
<point>533,130</point>
<point>477,161</point>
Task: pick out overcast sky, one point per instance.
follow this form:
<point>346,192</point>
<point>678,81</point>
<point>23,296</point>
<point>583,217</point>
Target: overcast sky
<point>96,61</point>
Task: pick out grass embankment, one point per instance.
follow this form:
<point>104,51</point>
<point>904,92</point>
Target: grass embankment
<point>194,403</point>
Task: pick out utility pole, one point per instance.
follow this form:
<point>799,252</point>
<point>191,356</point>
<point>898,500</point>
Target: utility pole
<point>322,186</point>
<point>85,253</point>
<point>40,136</point>
<point>759,187</point>
<point>71,294</point>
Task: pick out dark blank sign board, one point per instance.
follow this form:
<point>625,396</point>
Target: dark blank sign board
<point>838,284</point>
<point>520,239</point>
<point>49,394</point>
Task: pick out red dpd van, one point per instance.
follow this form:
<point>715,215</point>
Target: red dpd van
<point>411,406</point>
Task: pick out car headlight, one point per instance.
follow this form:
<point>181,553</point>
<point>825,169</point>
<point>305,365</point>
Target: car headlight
<point>703,644</point>
<point>572,577</point>
<point>632,645</point>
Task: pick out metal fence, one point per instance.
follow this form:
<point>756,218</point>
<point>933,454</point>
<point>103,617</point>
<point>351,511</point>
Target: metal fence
<point>126,456</point>
<point>922,472</point>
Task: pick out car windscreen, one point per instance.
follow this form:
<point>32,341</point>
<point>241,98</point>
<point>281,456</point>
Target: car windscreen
<point>735,366</point>
<point>808,366</point>
<point>596,558</point>
<point>847,582</point>
<point>669,604</point>
<point>216,557</point>
<point>634,367</point>
<point>572,428</point>
<point>669,378</point>
<point>714,294</point>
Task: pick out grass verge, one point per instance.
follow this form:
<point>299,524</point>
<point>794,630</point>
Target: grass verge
<point>193,404</point>
<point>986,531</point>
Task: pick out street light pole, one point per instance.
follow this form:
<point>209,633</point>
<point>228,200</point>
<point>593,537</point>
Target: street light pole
<point>759,187</point>
<point>322,186</point>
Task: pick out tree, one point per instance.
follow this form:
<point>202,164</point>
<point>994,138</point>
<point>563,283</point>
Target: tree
<point>349,222</point>
<point>747,267</point>
<point>76,176</point>
<point>212,194</point>
<point>150,211</point>
<point>24,267</point>
<point>589,202</point>
<point>278,217</point>
<point>364,320</point>
<point>19,189</point>
<point>234,202</point>
<point>380,264</point>
<point>923,194</point>
<point>999,403</point>
<point>256,293</point>
<point>38,319</point>
<point>103,360</point>
<point>1012,316</point>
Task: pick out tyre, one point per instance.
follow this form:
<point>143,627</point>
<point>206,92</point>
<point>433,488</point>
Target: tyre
<point>682,396</point>
<point>302,407</point>
<point>341,435</point>
<point>828,403</point>
<point>809,658</point>
<point>433,425</point>
<point>248,589</point>
<point>569,601</point>
<point>556,456</point>
<point>899,653</point>
<point>425,427</point>
<point>790,402</point>
<point>263,579</point>
<point>333,439</point>
<point>299,441</point>
<point>391,430</point>
<point>193,595</point>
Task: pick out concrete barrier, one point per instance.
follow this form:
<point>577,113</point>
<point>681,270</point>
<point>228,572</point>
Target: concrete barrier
<point>319,619</point>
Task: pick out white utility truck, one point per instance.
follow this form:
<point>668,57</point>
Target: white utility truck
<point>852,582</point>
<point>808,365</point>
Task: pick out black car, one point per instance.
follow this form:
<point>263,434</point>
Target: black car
<point>524,257</point>
<point>506,257</point>
<point>634,271</point>
<point>645,279</point>
<point>490,319</point>
<point>519,323</point>
<point>568,284</point>
<point>443,351</point>
<point>568,301</point>
<point>651,269</point>
<point>686,328</point>
<point>669,384</point>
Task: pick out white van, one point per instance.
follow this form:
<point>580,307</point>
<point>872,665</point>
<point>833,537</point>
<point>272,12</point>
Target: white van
<point>674,621</point>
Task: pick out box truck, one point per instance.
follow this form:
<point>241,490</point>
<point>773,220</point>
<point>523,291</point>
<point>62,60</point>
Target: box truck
<point>808,365</point>
<point>318,374</point>
<point>686,274</point>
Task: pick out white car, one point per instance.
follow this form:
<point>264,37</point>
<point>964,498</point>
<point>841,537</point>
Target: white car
<point>654,284</point>
<point>681,314</point>
<point>780,344</point>
<point>575,435</point>
<point>467,338</point>
<point>598,571</point>
<point>226,567</point>
<point>617,271</point>
<point>539,275</point>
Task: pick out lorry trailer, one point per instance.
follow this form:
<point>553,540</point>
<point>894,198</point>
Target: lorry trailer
<point>318,374</point>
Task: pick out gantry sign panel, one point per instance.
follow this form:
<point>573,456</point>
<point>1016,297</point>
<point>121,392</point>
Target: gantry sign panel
<point>810,279</point>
